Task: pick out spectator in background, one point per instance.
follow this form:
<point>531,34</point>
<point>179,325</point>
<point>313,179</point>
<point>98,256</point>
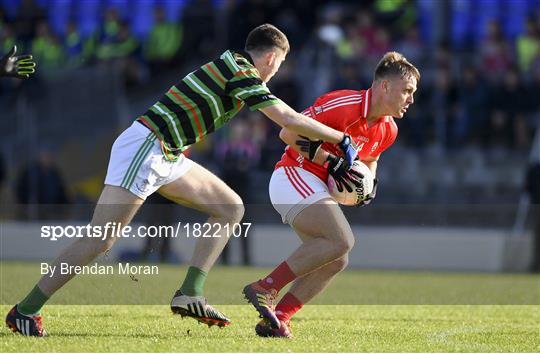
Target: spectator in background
<point>442,106</point>
<point>245,15</point>
<point>528,46</point>
<point>285,86</point>
<point>347,76</point>
<point>3,172</point>
<point>319,58</point>
<point>29,16</point>
<point>122,45</point>
<point>238,156</point>
<point>78,51</point>
<point>411,45</point>
<point>532,186</point>
<point>123,51</point>
<point>366,29</point>
<point>200,20</point>
<point>163,42</point>
<point>47,50</point>
<point>380,45</point>
<point>41,182</point>
<point>472,98</point>
<point>495,53</point>
<point>7,39</point>
<point>533,103</point>
<point>110,26</point>
<point>398,14</point>
<point>508,124</point>
<point>350,45</point>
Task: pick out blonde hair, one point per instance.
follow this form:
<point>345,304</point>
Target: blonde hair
<point>395,64</point>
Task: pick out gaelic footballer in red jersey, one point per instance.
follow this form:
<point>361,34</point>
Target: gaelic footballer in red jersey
<point>299,193</point>
<point>346,109</point>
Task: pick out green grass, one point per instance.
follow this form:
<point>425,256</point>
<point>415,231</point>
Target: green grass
<point>327,327</point>
<point>324,328</point>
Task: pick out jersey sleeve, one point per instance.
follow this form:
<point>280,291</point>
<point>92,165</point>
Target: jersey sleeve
<point>247,86</point>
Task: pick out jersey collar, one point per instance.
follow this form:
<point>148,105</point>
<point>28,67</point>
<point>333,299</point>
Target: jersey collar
<point>366,103</point>
<point>246,55</point>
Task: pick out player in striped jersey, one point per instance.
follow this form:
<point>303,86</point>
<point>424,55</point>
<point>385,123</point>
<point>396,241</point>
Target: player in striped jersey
<point>147,157</point>
<point>299,193</point>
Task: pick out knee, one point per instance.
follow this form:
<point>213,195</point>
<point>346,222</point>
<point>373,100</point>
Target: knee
<point>344,245</point>
<point>237,212</point>
<point>103,246</point>
<point>342,263</point>
<point>232,211</point>
<point>339,264</point>
<point>98,245</point>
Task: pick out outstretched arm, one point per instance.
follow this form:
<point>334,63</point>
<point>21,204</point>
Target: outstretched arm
<point>19,67</point>
<point>319,156</point>
<point>288,118</point>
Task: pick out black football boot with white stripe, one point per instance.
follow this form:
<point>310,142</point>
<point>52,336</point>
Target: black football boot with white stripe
<point>197,307</point>
<point>25,325</point>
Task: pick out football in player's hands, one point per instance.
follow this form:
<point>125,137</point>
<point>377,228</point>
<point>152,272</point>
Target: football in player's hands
<point>355,187</point>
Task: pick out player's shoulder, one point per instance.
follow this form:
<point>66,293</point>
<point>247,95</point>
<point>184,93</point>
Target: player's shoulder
<point>338,95</point>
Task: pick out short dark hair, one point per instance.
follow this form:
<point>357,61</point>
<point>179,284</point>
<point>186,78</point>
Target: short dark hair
<point>266,37</point>
<point>395,64</point>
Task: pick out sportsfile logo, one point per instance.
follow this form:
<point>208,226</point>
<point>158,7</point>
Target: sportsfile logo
<point>113,229</point>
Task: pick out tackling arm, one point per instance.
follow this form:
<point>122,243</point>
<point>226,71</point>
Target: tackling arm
<point>337,167</point>
<point>291,120</point>
<point>290,138</point>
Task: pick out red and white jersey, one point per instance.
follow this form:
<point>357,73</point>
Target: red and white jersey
<point>346,111</point>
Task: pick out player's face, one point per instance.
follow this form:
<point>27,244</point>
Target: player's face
<point>273,62</point>
<point>400,95</point>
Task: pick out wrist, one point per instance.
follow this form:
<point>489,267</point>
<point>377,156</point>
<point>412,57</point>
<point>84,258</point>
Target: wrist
<point>330,161</point>
<point>338,138</point>
<point>345,140</point>
<point>330,158</point>
<point>321,157</point>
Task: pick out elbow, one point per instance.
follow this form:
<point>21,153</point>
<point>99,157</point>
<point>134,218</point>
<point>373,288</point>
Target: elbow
<point>283,134</point>
<point>288,123</point>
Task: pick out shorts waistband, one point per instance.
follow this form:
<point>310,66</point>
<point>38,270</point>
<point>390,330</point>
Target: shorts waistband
<point>141,128</point>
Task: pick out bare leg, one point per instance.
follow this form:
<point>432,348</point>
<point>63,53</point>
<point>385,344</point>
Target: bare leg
<point>115,204</point>
<point>310,285</point>
<point>202,190</point>
<point>330,237</point>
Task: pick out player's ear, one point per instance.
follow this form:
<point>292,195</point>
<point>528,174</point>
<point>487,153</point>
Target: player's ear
<point>270,57</point>
<point>385,84</point>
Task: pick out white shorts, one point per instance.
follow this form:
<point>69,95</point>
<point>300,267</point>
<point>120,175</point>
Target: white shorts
<point>293,189</point>
<point>137,163</point>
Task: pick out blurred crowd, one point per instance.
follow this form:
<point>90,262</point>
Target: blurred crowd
<point>484,94</point>
<point>482,91</point>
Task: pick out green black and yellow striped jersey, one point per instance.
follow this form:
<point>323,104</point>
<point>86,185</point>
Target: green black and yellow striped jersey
<point>205,100</point>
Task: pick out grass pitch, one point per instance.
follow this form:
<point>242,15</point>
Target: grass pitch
<point>326,327</point>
